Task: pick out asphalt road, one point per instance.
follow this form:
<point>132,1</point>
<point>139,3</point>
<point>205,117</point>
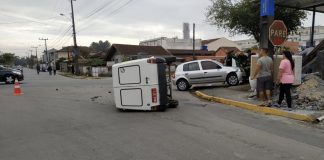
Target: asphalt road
<point>59,118</point>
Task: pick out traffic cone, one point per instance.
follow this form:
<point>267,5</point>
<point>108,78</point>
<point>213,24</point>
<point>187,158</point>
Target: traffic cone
<point>17,90</point>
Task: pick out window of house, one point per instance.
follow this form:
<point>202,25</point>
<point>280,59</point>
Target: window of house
<point>191,67</point>
<point>208,65</point>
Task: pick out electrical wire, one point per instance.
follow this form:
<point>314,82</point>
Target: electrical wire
<point>112,13</point>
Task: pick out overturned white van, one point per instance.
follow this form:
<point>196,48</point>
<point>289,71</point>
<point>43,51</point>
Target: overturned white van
<point>143,85</point>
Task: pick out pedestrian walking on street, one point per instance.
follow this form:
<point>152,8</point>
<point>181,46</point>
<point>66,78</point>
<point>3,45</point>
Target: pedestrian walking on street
<point>38,69</point>
<point>286,78</point>
<point>49,69</point>
<point>263,73</point>
<point>54,69</point>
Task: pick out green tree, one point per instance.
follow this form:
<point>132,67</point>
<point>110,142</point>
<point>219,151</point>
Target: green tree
<point>243,17</point>
<point>7,58</point>
<point>100,46</point>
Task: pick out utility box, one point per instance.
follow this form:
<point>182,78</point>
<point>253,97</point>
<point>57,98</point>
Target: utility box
<point>142,85</point>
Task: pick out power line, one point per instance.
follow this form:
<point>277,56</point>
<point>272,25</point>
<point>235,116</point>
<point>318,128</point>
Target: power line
<point>31,21</point>
<point>60,37</point>
<point>114,12</point>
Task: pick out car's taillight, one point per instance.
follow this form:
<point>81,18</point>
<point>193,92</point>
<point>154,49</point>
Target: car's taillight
<point>154,95</point>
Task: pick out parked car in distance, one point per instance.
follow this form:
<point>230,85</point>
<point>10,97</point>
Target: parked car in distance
<point>20,68</point>
<point>9,75</point>
<point>200,72</point>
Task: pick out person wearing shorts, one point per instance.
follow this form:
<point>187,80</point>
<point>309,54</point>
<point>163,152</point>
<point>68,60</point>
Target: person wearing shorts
<point>263,74</point>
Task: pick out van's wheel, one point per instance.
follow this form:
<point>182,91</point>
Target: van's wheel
<point>182,85</point>
<point>232,79</point>
<point>9,79</point>
<point>173,103</point>
<point>162,108</point>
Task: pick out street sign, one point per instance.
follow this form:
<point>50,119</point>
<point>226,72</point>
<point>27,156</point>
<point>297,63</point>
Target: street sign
<point>267,8</point>
<point>278,32</point>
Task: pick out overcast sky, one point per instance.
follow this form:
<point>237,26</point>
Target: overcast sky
<point>23,22</point>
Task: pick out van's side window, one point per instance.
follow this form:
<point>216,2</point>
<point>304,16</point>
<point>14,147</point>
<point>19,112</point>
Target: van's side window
<point>207,65</point>
<point>191,67</point>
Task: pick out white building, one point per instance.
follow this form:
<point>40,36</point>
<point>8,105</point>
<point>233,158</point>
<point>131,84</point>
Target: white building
<point>172,43</point>
<point>247,44</point>
<point>303,36</point>
<point>175,43</point>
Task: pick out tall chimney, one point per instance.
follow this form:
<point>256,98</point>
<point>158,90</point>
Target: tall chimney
<point>186,31</point>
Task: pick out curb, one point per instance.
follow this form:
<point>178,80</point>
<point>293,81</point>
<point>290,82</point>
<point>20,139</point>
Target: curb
<point>256,108</point>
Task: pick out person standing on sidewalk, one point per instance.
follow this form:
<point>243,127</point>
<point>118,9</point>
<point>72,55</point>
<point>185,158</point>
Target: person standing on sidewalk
<point>263,73</point>
<point>286,78</point>
<point>38,69</point>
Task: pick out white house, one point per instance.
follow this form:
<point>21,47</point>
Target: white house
<point>247,43</point>
<point>215,44</point>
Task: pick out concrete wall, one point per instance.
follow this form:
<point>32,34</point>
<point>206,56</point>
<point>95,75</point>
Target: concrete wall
<point>100,71</point>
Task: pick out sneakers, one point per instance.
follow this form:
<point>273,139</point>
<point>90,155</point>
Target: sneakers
<point>288,109</point>
<point>276,105</point>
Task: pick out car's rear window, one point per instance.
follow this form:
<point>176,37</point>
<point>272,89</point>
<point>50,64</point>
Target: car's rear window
<point>191,67</point>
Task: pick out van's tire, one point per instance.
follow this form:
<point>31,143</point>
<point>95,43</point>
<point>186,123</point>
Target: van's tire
<point>182,85</point>
<point>9,79</point>
<point>232,79</point>
<point>162,108</point>
<point>173,103</point>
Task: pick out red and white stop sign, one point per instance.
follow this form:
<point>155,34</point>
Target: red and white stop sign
<point>278,32</point>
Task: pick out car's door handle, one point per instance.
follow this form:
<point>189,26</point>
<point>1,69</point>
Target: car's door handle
<point>186,74</point>
<point>147,79</point>
<point>205,72</point>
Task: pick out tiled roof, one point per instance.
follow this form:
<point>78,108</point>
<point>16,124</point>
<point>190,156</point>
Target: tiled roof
<point>177,52</point>
<point>130,50</point>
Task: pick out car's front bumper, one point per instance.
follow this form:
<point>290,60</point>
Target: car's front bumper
<point>20,77</point>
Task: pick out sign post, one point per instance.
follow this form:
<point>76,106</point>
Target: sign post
<point>267,12</point>
<point>278,33</point>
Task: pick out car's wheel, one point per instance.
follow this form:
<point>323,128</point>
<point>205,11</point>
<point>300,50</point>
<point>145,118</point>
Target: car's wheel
<point>232,79</point>
<point>10,79</point>
<point>182,85</point>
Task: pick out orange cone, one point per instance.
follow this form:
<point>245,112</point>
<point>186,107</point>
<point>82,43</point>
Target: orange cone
<point>17,90</point>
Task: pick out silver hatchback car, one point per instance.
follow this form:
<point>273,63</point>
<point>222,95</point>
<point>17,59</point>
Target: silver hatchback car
<point>201,72</point>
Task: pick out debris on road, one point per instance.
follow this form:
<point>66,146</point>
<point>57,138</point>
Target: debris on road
<point>94,98</point>
<point>309,95</point>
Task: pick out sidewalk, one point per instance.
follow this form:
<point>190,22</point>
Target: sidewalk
<point>240,94</point>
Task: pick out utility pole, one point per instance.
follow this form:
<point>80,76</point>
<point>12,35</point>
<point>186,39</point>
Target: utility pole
<point>193,41</point>
<point>45,39</point>
<point>75,47</point>
<point>36,54</point>
<point>31,58</point>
